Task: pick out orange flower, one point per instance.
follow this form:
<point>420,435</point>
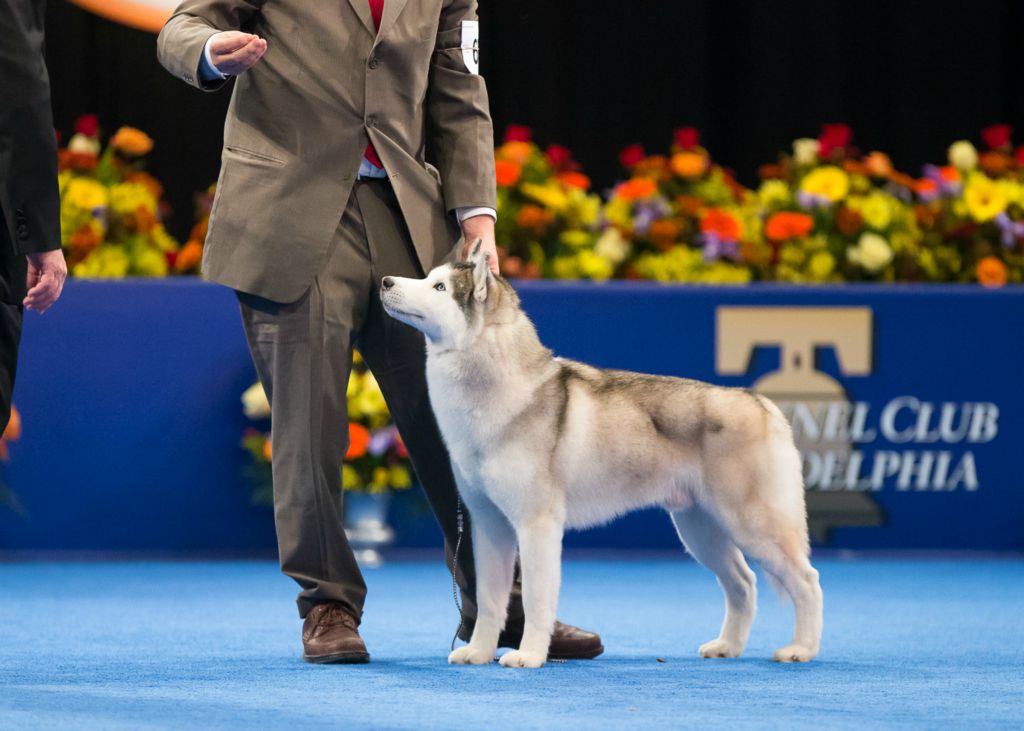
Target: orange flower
<point>991,272</point>
<point>13,431</point>
<point>131,141</point>
<point>786,225</point>
<point>926,186</point>
<point>949,174</point>
<point>147,180</point>
<point>994,163</point>
<point>722,224</point>
<point>855,168</point>
<point>689,204</point>
<point>516,151</point>
<point>575,180</point>
<point>189,257</point>
<point>144,220</point>
<point>689,164</point>
<point>533,217</point>
<point>507,172</point>
<point>84,239</point>
<point>358,440</point>
<point>664,233</point>
<point>849,221</point>
<point>636,188</point>
<point>268,451</point>
<point>878,164</point>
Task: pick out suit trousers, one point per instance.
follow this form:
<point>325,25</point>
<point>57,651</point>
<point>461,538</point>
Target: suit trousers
<point>303,354</point>
<point>10,336</point>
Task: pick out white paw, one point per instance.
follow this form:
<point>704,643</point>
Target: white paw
<point>793,653</point>
<point>469,655</point>
<point>720,648</point>
<point>520,659</point>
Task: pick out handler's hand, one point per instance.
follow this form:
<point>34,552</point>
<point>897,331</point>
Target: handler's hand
<point>46,274</point>
<point>234,53</point>
<point>480,227</point>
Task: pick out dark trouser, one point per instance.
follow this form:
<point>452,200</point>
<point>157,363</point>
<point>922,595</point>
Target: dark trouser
<point>303,354</point>
<point>10,336</point>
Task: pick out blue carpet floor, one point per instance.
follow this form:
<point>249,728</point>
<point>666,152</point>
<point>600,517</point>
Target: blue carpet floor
<point>908,644</point>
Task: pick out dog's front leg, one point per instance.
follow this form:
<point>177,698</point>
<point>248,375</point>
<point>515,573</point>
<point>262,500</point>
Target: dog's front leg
<point>494,557</point>
<point>540,555</point>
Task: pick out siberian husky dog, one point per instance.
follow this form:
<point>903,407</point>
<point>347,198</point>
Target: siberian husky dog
<point>539,444</point>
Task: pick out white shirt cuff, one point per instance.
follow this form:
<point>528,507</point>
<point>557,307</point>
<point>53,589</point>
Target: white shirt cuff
<point>469,211</point>
<point>208,67</point>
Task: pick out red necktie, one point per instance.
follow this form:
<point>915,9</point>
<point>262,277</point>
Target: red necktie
<point>377,11</point>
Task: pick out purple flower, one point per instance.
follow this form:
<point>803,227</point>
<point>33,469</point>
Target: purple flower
<point>382,440</point>
<point>1009,230</point>
<point>949,188</point>
<point>715,248</point>
<point>809,200</point>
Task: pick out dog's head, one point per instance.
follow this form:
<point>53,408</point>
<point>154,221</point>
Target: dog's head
<point>453,304</point>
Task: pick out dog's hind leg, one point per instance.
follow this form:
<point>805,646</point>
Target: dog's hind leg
<point>494,556</point>
<point>540,556</point>
<point>709,543</point>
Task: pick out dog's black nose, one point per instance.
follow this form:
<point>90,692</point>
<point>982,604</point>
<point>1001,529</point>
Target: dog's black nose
<point>387,283</point>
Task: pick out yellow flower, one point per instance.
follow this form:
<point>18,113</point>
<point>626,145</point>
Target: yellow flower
<point>774,194</point>
<point>594,267</point>
<point>399,477</point>
<point>984,198</point>
<point>105,262</point>
<point>551,195</point>
<point>86,194</point>
<point>612,246</point>
<point>565,267</point>
<point>126,198</point>
<point>381,479</point>
<point>805,151</point>
<point>150,263</point>
<point>826,182</point>
<point>876,209</point>
<point>575,239</point>
<point>821,266</point>
<point>963,155</point>
<point>350,478</point>
<point>619,212</point>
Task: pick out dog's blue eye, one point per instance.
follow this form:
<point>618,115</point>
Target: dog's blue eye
<point>439,286</point>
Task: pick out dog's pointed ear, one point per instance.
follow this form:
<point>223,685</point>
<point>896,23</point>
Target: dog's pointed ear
<point>481,273</point>
<point>474,250</point>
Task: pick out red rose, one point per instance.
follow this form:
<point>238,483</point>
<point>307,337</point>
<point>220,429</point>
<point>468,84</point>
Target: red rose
<point>1020,155</point>
<point>558,156</point>
<point>518,133</point>
<point>997,136</point>
<point>88,125</point>
<point>687,137</point>
<point>834,137</point>
<point>631,155</point>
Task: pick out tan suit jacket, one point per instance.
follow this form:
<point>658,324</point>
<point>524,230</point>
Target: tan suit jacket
<point>300,119</point>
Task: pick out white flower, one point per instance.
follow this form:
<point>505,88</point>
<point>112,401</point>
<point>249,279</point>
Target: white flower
<point>963,155</point>
<point>805,151</point>
<point>872,252</point>
<point>255,403</point>
<point>81,144</point>
<point>612,246</point>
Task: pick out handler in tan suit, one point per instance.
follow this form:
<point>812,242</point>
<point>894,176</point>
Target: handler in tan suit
<point>325,187</point>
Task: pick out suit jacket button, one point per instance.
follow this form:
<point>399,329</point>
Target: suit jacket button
<point>23,233</point>
<point>374,63</point>
<point>371,121</point>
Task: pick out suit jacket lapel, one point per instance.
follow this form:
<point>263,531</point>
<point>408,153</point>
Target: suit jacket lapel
<point>392,9</point>
<point>362,8</point>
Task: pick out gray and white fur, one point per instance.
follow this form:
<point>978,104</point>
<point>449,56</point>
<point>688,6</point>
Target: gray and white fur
<point>540,444</point>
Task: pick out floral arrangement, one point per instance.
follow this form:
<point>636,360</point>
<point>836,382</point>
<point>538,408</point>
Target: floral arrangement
<point>376,461</point>
<point>680,217</point>
<point>547,216</point>
<point>11,433</point>
<point>111,210</point>
<point>825,213</point>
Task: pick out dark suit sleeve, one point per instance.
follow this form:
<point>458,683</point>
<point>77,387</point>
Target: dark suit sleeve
<point>179,47</point>
<point>460,134</point>
<point>32,208</point>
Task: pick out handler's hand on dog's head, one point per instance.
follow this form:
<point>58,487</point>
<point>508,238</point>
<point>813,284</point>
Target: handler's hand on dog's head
<point>482,228</point>
<point>234,53</point>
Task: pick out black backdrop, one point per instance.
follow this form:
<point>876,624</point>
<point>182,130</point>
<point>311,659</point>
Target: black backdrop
<point>910,76</point>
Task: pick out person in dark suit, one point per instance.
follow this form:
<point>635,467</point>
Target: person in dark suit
<point>32,267</point>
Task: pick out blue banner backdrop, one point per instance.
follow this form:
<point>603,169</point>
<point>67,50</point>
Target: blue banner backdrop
<point>906,401</point>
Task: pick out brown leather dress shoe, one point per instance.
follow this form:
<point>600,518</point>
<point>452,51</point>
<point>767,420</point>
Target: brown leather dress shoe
<point>329,635</point>
<point>567,642</point>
